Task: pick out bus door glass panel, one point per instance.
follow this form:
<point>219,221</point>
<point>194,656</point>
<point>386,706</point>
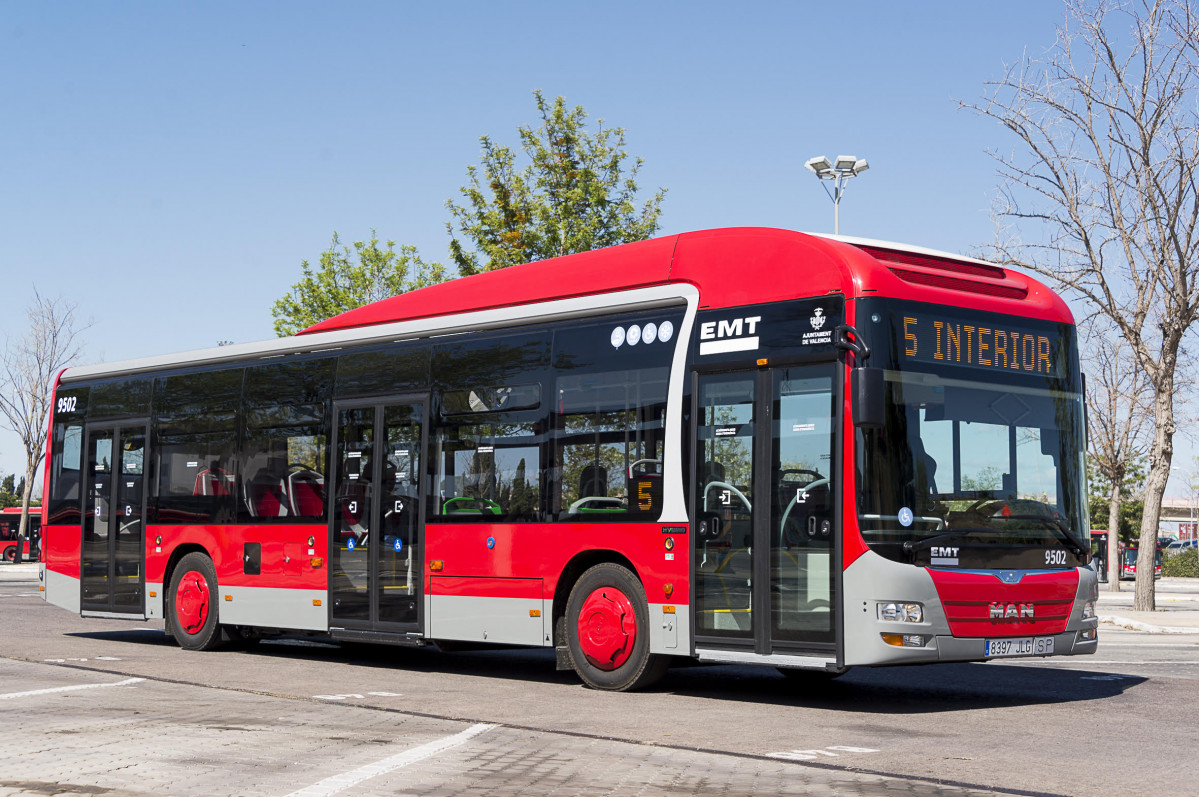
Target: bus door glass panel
<point>400,514</point>
<point>128,519</point>
<point>97,517</point>
<point>349,552</point>
<point>724,494</point>
<point>802,527</point>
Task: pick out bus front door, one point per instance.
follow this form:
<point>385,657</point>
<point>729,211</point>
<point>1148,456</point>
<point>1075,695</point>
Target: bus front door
<point>377,518</point>
<point>765,541</point>
<point>112,579</point>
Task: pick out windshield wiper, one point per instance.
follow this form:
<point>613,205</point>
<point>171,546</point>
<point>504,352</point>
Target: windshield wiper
<point>1062,532</point>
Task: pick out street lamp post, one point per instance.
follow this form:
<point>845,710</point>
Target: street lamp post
<point>839,172</point>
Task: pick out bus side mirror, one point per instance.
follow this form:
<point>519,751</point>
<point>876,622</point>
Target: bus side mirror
<point>866,387</point>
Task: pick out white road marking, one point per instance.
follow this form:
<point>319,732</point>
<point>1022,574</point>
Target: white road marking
<point>812,755</point>
<point>337,783</point>
<point>125,682</point>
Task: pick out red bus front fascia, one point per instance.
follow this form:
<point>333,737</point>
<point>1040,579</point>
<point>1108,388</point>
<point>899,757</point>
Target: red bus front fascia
<point>970,599</point>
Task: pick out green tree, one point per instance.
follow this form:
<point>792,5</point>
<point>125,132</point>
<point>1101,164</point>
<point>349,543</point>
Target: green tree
<point>574,195</point>
<point>1130,517</point>
<point>8,492</point>
<point>349,277</point>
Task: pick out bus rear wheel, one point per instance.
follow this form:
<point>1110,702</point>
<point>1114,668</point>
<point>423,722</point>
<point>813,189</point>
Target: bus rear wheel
<point>192,604</point>
<point>10,553</point>
<point>607,629</point>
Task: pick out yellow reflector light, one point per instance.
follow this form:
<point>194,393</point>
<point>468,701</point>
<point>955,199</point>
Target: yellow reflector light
<point>436,565</point>
<point>153,594</point>
<point>894,639</point>
<point>228,597</point>
<point>667,610</point>
<point>316,601</point>
<point>41,589</point>
<point>534,612</point>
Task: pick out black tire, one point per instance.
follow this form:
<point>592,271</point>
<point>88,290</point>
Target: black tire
<point>631,666</point>
<point>10,553</point>
<point>193,618</point>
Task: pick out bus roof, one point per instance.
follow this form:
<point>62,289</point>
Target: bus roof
<point>730,267</point>
<point>725,267</point>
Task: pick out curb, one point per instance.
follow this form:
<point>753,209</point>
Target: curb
<point>1137,625</point>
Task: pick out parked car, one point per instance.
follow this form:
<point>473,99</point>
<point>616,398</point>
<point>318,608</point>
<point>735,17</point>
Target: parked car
<point>1180,545</point>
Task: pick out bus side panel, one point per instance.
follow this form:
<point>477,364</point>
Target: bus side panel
<point>483,564</point>
<point>60,568</point>
<point>289,589</point>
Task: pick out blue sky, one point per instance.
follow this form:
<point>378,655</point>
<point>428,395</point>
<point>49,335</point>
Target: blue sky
<point>168,166</point>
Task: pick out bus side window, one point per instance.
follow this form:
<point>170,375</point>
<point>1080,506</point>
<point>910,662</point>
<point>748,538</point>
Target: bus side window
<point>488,415</point>
<point>609,407</point>
<point>66,458</point>
<point>196,446</point>
<point>284,446</point>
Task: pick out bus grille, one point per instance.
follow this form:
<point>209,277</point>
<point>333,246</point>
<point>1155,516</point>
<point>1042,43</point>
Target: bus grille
<point>967,599</point>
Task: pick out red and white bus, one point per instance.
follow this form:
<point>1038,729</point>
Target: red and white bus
<point>749,446</point>
<point>10,527</point>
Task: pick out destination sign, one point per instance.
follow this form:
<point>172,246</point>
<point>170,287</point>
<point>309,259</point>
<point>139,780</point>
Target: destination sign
<point>981,343</point>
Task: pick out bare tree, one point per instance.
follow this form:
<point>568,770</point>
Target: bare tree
<point>1105,173</point>
<point>27,373</point>
<point>1119,403</point>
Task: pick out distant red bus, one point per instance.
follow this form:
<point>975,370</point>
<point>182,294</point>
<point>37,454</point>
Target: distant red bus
<point>10,525</point>
<point>745,446</point>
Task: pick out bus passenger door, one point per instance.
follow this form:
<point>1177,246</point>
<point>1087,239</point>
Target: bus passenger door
<point>112,576</point>
<point>377,518</point>
<point>765,511</point>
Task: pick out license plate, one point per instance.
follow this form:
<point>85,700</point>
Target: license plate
<point>1020,646</point>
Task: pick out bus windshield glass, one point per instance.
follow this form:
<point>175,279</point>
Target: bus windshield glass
<point>985,461</point>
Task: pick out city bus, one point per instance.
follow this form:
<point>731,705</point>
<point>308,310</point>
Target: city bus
<point>10,528</point>
<point>736,446</point>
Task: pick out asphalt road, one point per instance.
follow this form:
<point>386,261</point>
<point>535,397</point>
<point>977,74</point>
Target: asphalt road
<point>291,715</point>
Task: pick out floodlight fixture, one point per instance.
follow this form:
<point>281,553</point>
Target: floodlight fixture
<point>818,165</point>
<point>845,167</point>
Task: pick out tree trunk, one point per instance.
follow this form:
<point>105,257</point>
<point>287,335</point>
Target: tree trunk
<point>23,529</point>
<point>1113,536</point>
<point>1161,454</point>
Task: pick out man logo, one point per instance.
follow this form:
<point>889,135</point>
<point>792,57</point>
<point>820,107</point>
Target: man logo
<point>1011,611</point>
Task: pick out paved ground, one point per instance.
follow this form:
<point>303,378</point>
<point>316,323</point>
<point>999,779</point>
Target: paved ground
<point>111,708</point>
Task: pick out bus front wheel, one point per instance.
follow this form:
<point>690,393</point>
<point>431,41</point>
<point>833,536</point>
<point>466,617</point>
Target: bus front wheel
<point>192,603</point>
<point>607,629</point>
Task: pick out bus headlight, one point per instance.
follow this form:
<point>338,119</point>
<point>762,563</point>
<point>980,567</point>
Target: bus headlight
<point>901,612</point>
<point>1088,610</point>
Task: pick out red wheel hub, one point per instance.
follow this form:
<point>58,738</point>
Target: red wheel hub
<point>192,602</point>
<point>607,628</point>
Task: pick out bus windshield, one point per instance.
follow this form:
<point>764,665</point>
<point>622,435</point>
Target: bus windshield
<point>972,458</point>
<point>1000,464</point>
